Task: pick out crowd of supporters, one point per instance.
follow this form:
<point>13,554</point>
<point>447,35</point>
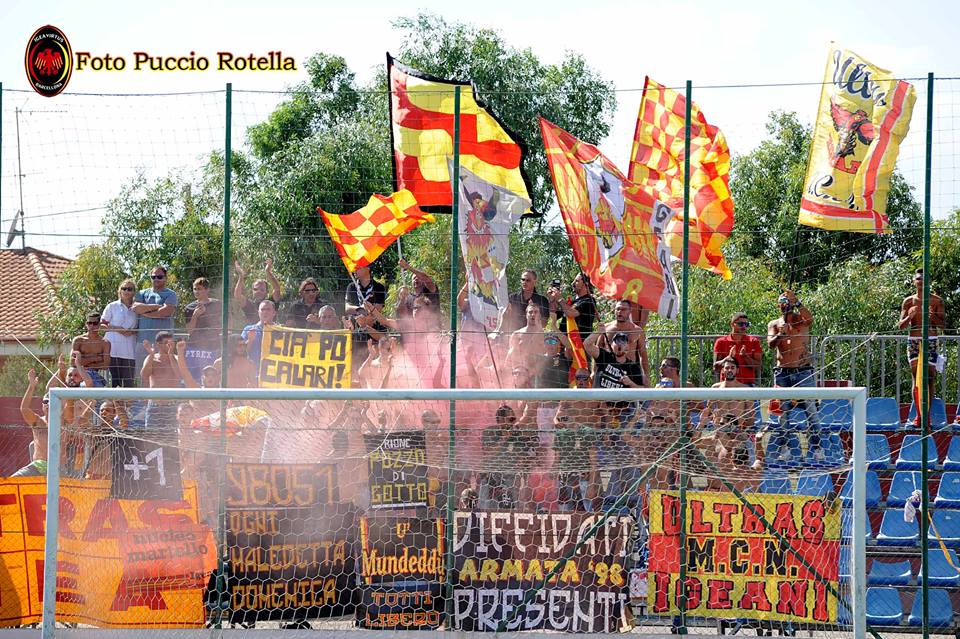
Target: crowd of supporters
<point>569,455</point>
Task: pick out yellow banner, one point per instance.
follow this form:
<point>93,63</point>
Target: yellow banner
<point>736,567</point>
<point>122,562</point>
<point>863,116</point>
<point>298,358</point>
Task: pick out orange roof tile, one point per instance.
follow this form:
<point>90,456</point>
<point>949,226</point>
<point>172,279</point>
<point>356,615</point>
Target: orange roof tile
<point>26,277</point>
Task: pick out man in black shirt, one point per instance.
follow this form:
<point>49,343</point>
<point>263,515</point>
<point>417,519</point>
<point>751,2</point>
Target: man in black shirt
<point>583,308</point>
<point>613,369</point>
<point>516,313</point>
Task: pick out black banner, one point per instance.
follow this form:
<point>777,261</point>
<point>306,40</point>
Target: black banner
<point>402,571</point>
<point>145,470</point>
<point>397,470</point>
<point>502,555</point>
<point>415,605</point>
<point>291,548</point>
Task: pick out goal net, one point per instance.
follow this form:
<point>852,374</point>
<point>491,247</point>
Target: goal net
<point>564,510</point>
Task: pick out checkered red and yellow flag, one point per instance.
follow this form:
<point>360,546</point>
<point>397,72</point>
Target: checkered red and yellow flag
<point>360,237</point>
<point>422,123</point>
<point>656,165</point>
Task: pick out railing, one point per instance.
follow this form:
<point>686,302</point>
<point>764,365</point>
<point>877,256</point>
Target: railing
<point>879,363</point>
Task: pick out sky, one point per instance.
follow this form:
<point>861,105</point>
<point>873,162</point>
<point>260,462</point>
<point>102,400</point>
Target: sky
<point>101,142</point>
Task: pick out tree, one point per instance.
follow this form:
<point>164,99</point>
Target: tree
<point>767,184</point>
<point>945,264</point>
<point>516,86</point>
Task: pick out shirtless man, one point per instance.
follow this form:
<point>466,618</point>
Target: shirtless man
<point>94,350</point>
<point>789,337</point>
<point>526,344</point>
<point>623,323</point>
<point>911,317</point>
<point>161,370</point>
<point>733,419</point>
<point>38,426</point>
<point>241,373</point>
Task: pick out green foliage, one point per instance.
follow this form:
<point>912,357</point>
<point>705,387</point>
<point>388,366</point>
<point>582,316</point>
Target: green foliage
<point>13,374</point>
<point>88,284</point>
<point>767,184</point>
<point>945,264</point>
<point>859,297</point>
<point>515,84</point>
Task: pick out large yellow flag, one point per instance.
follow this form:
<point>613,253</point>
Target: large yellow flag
<point>656,165</point>
<point>422,121</point>
<point>864,115</point>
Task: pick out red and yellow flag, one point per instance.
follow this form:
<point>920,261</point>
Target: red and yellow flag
<point>579,352</point>
<point>920,393</point>
<point>360,237</point>
<point>615,228</point>
<point>656,165</point>
<point>864,114</point>
<point>422,122</point>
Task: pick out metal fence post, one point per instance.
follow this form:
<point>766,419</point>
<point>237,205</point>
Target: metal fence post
<point>858,568</point>
<point>923,408</point>
<point>52,527</point>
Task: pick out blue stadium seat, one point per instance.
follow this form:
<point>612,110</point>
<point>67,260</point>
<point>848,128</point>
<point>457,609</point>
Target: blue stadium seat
<point>884,573</point>
<point>776,483</point>
<point>878,451</point>
<point>845,562</point>
<point>884,607</point>
<point>814,484</point>
<point>903,484</point>
<point>836,414</point>
<point>873,490</point>
<point>952,460</point>
<point>894,531</point>
<point>909,457</point>
<point>883,413</point>
<point>938,607</point>
<point>938,414</point>
<point>783,450</point>
<point>947,523</point>
<point>846,525</point>
<point>948,495</point>
<point>941,572</point>
<point>833,455</point>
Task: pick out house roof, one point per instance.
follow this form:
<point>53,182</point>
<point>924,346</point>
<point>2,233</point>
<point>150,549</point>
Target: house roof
<point>26,278</point>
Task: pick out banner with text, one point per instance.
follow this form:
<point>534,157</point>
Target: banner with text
<point>736,567</point>
<point>121,563</point>
<point>397,470</point>
<point>402,571</point>
<point>291,545</point>
<point>298,358</point>
<point>502,555</point>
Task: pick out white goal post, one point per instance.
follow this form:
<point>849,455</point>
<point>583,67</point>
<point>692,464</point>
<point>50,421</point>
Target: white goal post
<point>857,396</point>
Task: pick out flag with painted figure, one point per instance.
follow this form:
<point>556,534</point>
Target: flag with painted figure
<point>863,116</point>
<point>656,165</point>
<point>616,228</point>
<point>360,237</point>
<point>487,212</point>
<point>422,132</point>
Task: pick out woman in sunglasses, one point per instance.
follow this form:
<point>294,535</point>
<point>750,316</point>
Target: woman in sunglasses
<point>119,323</point>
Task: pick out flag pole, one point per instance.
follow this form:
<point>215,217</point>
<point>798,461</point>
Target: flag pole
<point>451,430</point>
<point>923,416</point>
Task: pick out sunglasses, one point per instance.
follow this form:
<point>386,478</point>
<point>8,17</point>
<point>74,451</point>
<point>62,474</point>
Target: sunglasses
<point>551,340</point>
<point>580,378</point>
<point>126,288</point>
<point>96,323</point>
<point>158,277</point>
<point>743,324</point>
<point>311,290</point>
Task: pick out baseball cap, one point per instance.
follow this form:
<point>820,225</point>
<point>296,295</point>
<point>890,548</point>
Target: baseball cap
<point>621,337</point>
